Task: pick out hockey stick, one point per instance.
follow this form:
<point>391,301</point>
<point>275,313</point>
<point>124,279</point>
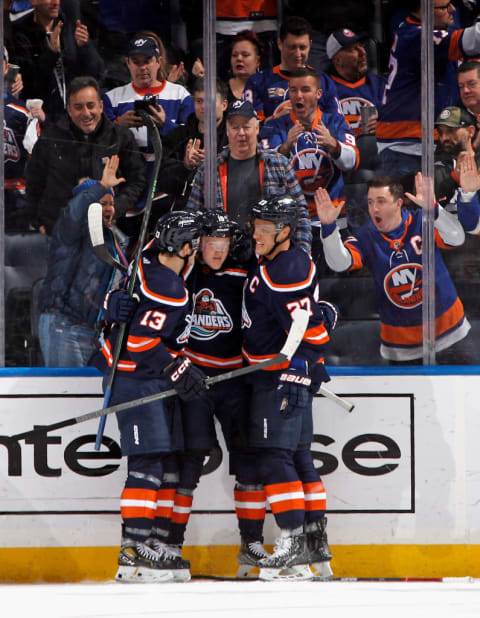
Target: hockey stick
<point>343,403</point>
<point>157,148</point>
<point>95,228</point>
<point>297,329</point>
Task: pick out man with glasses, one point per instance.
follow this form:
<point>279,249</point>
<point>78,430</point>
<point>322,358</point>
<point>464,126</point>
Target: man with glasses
<point>399,129</point>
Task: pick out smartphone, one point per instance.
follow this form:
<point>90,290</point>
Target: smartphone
<point>144,104</point>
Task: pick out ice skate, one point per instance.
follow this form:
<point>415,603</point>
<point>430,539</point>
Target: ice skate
<point>171,556</point>
<point>290,560</point>
<point>320,553</point>
<point>249,558</point>
<point>140,564</point>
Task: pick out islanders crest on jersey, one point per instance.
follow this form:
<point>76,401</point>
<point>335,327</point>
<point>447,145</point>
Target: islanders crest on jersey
<point>403,285</point>
<point>210,318</point>
<point>313,166</point>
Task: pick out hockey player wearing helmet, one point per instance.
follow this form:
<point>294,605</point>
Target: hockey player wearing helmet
<point>216,285</point>
<point>280,423</point>
<point>151,361</point>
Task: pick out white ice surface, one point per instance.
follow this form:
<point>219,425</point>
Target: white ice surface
<point>206,598</point>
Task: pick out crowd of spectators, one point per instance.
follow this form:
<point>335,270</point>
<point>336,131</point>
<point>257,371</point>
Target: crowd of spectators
<point>335,90</point>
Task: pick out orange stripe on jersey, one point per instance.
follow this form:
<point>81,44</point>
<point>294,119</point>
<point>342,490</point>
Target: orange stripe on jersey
<point>205,360</point>
<point>123,365</point>
<point>178,302</point>
<point>253,360</point>
<point>14,183</point>
<point>288,287</point>
<point>181,509</point>
<point>141,344</point>
<point>399,129</point>
<point>413,335</point>
<point>356,256</point>
<point>454,51</point>
<point>317,334</point>
<point>440,242</point>
<point>138,503</point>
<point>284,497</point>
<point>19,108</point>
<point>315,496</point>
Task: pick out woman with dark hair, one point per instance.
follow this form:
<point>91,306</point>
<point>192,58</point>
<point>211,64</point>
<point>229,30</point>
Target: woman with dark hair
<point>246,55</point>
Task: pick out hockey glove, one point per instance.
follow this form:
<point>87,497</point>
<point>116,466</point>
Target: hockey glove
<point>241,246</point>
<point>293,388</point>
<point>187,379</point>
<point>119,306</point>
<point>319,375</point>
<point>330,314</point>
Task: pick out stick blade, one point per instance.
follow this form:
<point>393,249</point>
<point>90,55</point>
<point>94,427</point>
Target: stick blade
<point>300,319</point>
<point>95,224</point>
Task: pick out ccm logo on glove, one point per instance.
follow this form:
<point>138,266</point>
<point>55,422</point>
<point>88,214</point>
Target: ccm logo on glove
<point>180,370</point>
<point>296,379</point>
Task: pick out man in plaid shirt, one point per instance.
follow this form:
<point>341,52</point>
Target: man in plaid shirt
<point>247,174</point>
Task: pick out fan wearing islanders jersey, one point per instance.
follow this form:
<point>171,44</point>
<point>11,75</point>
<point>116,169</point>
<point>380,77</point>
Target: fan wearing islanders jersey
<point>356,86</point>
<point>268,89</point>
<point>390,246</point>
<point>280,424</point>
<point>320,145</point>
<point>399,130</point>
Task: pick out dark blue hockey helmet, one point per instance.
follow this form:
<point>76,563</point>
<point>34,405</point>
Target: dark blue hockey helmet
<point>176,228</point>
<point>281,210</point>
<point>217,224</point>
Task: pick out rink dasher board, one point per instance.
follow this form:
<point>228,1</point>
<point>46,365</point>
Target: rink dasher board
<point>400,471</point>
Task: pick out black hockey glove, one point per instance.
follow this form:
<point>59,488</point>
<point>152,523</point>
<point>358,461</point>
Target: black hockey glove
<point>293,387</point>
<point>119,306</point>
<point>319,375</point>
<point>187,379</point>
<point>330,314</point>
<point>241,246</point>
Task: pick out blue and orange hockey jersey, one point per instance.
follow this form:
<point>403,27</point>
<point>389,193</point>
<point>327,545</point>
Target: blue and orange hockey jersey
<point>314,166</point>
<point>215,341</point>
<point>159,330</point>
<point>353,95</point>
<point>399,123</point>
<point>274,289</point>
<point>395,261</point>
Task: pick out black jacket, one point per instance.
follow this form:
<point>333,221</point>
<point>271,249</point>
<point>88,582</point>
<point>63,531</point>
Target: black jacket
<point>38,61</point>
<point>63,154</point>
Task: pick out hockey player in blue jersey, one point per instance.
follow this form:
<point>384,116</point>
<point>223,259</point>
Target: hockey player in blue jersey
<point>280,423</point>
<point>268,90</point>
<point>216,285</point>
<point>390,246</point>
<point>151,361</point>
<point>320,145</point>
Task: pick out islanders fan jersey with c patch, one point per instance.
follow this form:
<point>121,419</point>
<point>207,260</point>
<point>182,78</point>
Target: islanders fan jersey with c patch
<point>395,261</point>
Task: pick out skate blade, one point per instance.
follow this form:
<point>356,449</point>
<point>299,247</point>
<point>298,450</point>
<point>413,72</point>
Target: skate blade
<point>298,572</point>
<point>181,575</point>
<point>322,571</point>
<point>142,575</point>
<point>247,571</point>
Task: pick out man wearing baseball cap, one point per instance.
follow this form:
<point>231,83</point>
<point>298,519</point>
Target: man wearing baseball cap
<point>168,104</point>
<point>456,129</point>
<point>356,86</point>
<point>247,174</point>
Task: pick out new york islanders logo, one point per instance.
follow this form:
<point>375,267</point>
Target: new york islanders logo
<point>313,166</point>
<point>403,285</point>
<point>351,109</point>
<point>210,317</point>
